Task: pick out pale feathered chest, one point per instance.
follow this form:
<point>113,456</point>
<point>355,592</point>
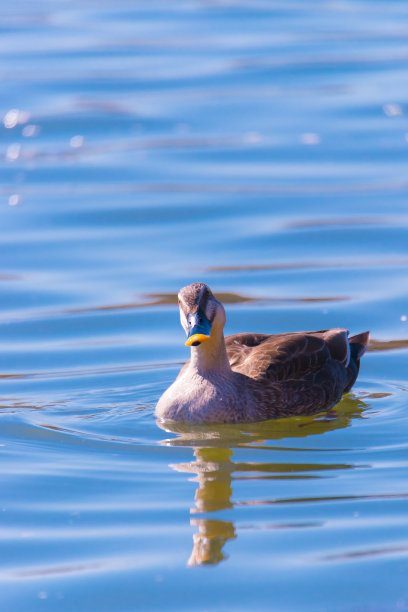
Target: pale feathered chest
<point>212,397</point>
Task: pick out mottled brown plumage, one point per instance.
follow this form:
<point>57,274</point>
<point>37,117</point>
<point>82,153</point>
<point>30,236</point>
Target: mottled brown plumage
<point>252,376</point>
<point>307,371</point>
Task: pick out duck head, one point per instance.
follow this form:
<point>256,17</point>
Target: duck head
<point>201,315</point>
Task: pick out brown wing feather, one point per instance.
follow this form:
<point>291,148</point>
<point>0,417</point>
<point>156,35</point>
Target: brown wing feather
<point>279,357</point>
<point>300,373</point>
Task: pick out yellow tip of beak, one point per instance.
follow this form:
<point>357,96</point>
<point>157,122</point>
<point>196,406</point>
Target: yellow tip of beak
<point>196,338</point>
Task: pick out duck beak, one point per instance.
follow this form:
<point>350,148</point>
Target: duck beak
<point>199,329</point>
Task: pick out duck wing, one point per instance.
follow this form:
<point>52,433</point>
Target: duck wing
<point>289,356</point>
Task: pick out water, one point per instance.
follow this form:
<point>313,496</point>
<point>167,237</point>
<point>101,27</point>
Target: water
<point>258,146</point>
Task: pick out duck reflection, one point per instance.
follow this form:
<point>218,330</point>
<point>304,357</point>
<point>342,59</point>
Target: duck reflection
<point>214,468</point>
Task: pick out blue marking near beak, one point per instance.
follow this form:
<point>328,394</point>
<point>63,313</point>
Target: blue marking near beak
<point>199,328</point>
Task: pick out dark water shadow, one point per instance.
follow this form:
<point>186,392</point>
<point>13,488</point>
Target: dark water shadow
<point>215,471</point>
<point>170,299</point>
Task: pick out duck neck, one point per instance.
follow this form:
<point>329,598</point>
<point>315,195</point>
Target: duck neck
<point>211,355</point>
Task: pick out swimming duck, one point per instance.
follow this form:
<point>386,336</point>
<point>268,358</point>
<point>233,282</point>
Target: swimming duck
<point>252,377</point>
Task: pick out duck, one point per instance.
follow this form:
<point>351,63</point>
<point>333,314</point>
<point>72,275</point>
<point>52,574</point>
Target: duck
<point>249,377</point>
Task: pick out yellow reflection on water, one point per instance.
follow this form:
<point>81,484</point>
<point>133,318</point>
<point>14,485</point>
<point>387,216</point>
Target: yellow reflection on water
<point>215,471</point>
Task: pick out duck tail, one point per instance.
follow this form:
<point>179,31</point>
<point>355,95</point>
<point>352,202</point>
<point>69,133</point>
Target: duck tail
<point>358,346</point>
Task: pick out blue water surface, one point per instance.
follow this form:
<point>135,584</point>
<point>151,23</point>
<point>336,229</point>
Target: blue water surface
<point>260,146</point>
